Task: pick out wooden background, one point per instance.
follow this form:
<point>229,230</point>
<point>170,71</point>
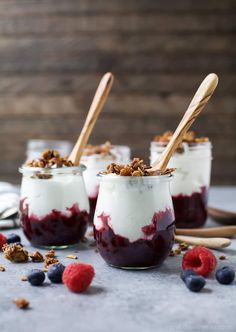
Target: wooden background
<point>53,53</point>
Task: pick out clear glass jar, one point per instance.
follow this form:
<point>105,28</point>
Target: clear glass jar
<point>54,207</point>
<point>96,163</point>
<point>35,147</point>
<point>191,181</point>
<point>134,220</point>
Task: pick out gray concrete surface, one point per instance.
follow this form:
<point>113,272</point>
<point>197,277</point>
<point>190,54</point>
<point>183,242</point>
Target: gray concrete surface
<point>154,300</point>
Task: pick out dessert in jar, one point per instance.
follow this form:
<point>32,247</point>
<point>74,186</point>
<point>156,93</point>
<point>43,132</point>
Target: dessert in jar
<point>54,208</point>
<point>134,217</point>
<point>191,180</point>
<point>96,158</point>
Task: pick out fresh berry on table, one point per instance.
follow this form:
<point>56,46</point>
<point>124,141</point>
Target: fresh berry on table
<point>3,240</point>
<point>225,275</point>
<point>55,273</point>
<point>195,283</point>
<point>78,276</point>
<point>36,277</point>
<point>185,273</point>
<point>13,238</point>
<point>199,259</point>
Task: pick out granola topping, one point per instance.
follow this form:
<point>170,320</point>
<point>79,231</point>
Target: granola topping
<point>21,303</point>
<point>102,149</point>
<point>15,253</point>
<point>50,259</point>
<point>189,137</point>
<point>50,159</point>
<point>135,168</point>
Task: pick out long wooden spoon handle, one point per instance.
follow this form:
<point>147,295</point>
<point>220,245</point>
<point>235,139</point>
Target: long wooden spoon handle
<point>214,243</point>
<point>197,104</point>
<point>94,111</point>
<point>224,231</point>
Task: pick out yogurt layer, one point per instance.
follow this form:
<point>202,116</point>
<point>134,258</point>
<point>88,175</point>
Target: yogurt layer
<point>193,167</point>
<point>59,192</point>
<point>130,203</point>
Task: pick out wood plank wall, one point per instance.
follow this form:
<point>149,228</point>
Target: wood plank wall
<point>53,53</point>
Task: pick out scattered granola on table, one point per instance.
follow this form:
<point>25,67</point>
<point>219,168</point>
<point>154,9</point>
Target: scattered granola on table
<point>21,303</point>
<point>15,253</point>
<point>72,256</point>
<point>24,278</point>
<point>2,268</point>
<point>36,257</point>
<point>50,254</point>
<point>49,261</point>
<point>222,257</point>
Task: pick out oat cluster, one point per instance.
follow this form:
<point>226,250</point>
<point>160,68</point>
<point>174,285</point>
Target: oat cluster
<point>137,167</point>
<point>21,303</point>
<point>102,149</point>
<point>189,137</point>
<point>15,253</point>
<point>50,259</point>
<point>50,159</point>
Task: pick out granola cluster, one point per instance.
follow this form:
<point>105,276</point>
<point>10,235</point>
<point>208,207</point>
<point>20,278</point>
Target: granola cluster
<point>50,259</point>
<point>189,137</point>
<point>50,159</point>
<point>102,149</point>
<point>21,303</point>
<point>135,168</point>
<point>15,253</point>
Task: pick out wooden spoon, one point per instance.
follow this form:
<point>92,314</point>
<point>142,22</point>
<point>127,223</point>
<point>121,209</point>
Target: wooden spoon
<point>222,216</point>
<point>197,104</point>
<point>94,111</point>
<point>213,242</point>
<point>224,231</point>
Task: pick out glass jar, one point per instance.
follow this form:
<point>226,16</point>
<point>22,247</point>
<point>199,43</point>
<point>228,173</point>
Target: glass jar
<point>191,181</point>
<point>134,220</point>
<point>54,207</point>
<point>35,147</point>
<point>96,163</point>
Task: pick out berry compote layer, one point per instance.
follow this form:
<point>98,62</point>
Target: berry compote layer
<point>191,210</point>
<point>148,251</point>
<point>92,206</point>
<point>57,228</point>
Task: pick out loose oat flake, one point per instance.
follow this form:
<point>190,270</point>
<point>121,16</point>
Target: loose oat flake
<point>21,303</point>
<point>72,256</point>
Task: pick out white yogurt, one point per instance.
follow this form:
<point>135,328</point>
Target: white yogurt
<point>60,192</point>
<point>131,203</point>
<point>193,167</point>
<point>97,163</point>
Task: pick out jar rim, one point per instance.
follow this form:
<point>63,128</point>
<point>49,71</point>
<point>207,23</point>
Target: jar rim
<point>191,146</point>
<point>60,170</point>
<point>115,177</point>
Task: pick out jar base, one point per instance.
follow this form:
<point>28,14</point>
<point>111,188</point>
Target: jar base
<point>136,268</point>
<point>62,247</point>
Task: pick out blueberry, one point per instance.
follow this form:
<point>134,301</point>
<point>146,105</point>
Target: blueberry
<point>225,275</point>
<point>195,282</point>
<point>185,273</point>
<point>36,277</point>
<point>13,238</point>
<point>55,273</point>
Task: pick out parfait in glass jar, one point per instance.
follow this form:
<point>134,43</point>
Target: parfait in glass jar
<point>54,208</point>
<point>134,217</point>
<point>191,180</point>
<point>96,158</point>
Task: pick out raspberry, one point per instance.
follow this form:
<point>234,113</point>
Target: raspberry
<point>3,240</point>
<point>78,276</point>
<point>199,259</point>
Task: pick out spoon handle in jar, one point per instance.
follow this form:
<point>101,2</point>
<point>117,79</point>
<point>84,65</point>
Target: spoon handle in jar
<point>94,111</point>
<point>197,104</point>
<point>213,243</point>
<point>225,231</point>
